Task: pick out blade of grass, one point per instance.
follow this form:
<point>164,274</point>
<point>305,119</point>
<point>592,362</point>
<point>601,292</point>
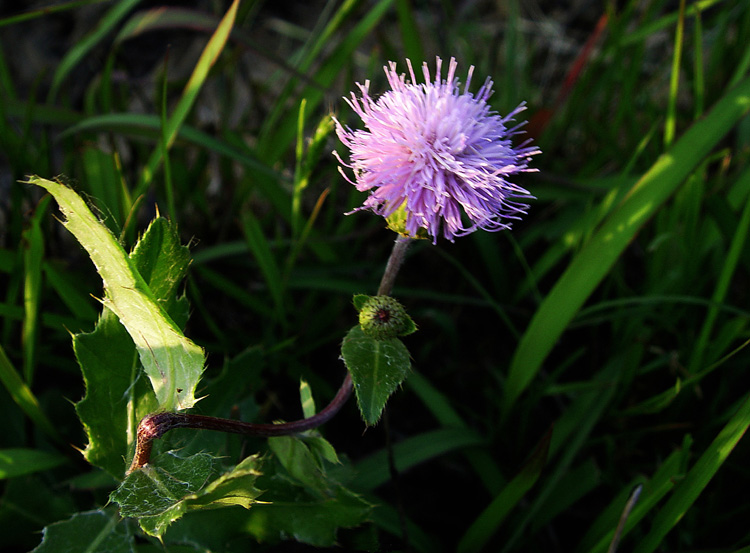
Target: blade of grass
<point>106,25</point>
<point>140,124</point>
<point>259,246</point>
<point>193,87</point>
<point>273,144</point>
<point>17,461</point>
<point>104,181</point>
<point>78,302</point>
<point>46,11</point>
<point>571,432</point>
<point>696,480</point>
<point>725,277</point>
<point>647,29</point>
<point>33,255</point>
<point>602,531</point>
<point>699,83</point>
<point>674,80</point>
<point>481,460</point>
<point>597,257</point>
<point>311,54</point>
<point>163,143</point>
<point>410,34</point>
<point>373,470</point>
<point>483,528</point>
<point>23,395</point>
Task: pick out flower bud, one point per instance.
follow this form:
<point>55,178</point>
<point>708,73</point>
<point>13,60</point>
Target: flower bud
<point>383,317</point>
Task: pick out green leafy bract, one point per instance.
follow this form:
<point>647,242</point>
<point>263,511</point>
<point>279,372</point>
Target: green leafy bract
<point>160,493</point>
<point>377,367</point>
<point>172,362</point>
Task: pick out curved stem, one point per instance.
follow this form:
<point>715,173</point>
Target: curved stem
<point>154,426</point>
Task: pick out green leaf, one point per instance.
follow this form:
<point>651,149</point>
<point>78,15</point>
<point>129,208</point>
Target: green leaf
<point>302,500</point>
<point>116,398</point>
<point>377,367</point>
<point>300,463</point>
<point>161,492</point>
<point>16,461</point>
<point>314,521</point>
<point>88,532</point>
<point>172,362</point>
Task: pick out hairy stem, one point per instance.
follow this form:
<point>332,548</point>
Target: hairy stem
<point>154,426</point>
<point>394,264</point>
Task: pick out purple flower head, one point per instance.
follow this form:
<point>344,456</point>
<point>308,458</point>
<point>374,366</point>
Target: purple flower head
<point>437,151</point>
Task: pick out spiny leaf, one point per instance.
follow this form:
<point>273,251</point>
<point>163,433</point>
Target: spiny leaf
<point>160,493</point>
<point>172,362</point>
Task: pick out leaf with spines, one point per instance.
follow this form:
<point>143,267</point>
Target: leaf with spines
<point>172,362</point>
<point>117,396</point>
<point>377,368</point>
<point>162,492</point>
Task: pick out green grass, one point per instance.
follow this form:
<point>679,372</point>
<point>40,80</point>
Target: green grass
<point>600,345</point>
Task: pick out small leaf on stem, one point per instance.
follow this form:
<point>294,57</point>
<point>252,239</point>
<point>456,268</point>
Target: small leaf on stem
<point>377,368</point>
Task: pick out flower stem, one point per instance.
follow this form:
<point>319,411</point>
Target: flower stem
<point>156,425</point>
<point>394,264</point>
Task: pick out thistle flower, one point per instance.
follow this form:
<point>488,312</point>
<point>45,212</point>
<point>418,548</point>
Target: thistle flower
<point>438,153</point>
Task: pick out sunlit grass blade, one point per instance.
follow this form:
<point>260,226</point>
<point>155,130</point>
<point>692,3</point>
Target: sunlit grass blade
<point>674,80</point>
<point>696,480</point>
<point>597,257</point>
<point>33,255</point>
<point>207,59</point>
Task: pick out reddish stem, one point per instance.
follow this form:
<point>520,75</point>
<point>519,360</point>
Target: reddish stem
<point>154,426</point>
